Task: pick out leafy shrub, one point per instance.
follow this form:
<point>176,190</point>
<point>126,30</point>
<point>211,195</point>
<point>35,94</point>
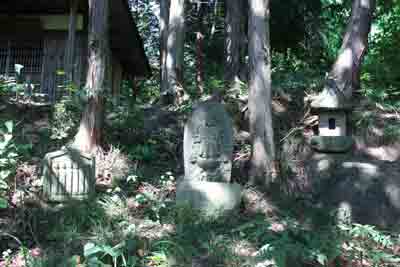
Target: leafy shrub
<point>142,152</point>
<point>155,201</point>
<point>8,158</point>
<point>120,255</point>
<point>9,84</point>
<point>367,244</point>
<point>325,246</point>
<point>380,78</point>
<point>124,119</point>
<point>66,115</point>
<point>291,73</point>
<point>3,85</point>
<point>23,257</point>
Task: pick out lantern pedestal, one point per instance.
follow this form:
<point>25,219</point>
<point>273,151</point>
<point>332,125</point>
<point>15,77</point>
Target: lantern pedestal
<point>335,144</point>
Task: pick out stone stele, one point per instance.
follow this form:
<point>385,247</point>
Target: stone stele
<point>208,147</point>
<point>208,144</point>
<point>68,175</point>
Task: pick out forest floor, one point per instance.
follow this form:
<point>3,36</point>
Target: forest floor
<point>135,222</point>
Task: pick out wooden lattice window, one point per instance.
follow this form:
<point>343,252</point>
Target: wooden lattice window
<point>3,57</point>
<point>28,54</point>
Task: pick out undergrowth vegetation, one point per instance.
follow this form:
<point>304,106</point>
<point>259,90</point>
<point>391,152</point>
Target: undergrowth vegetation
<point>133,220</point>
<point>102,232</point>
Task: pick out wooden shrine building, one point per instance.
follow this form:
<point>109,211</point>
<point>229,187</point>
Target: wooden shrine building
<point>50,39</point>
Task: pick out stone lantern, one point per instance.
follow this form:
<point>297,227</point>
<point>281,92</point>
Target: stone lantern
<point>333,113</point>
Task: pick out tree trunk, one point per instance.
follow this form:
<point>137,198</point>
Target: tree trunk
<point>164,20</point>
<point>213,28</point>
<point>70,49</point>
<point>199,50</point>
<point>89,134</point>
<point>345,74</point>
<point>233,38</point>
<point>263,150</point>
<point>175,44</point>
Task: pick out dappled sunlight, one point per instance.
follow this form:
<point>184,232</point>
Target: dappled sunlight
<point>345,60</point>
<point>344,212</point>
<point>392,191</point>
<point>360,185</point>
<point>366,170</point>
<point>278,107</point>
<point>284,154</point>
<point>386,152</point>
<point>257,202</point>
<point>324,165</point>
<point>365,4</point>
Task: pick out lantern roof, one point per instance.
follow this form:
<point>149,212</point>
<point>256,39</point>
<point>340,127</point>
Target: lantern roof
<point>330,99</point>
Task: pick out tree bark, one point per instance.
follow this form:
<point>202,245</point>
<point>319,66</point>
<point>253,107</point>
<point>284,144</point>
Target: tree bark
<point>213,28</point>
<point>175,46</point>
<point>263,150</point>
<point>70,49</point>
<point>199,50</point>
<point>233,38</point>
<point>164,20</point>
<point>344,76</point>
<point>89,134</point>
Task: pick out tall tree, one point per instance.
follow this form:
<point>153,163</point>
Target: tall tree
<point>344,76</point>
<point>89,134</point>
<point>174,56</point>
<point>164,20</point>
<point>234,36</point>
<point>263,150</point>
<point>200,35</point>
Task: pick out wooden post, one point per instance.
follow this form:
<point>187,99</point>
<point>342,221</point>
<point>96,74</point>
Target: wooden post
<point>70,47</point>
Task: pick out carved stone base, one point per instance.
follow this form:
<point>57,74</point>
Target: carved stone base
<point>68,174</point>
<point>211,198</point>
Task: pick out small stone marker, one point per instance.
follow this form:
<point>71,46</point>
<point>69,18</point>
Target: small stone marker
<point>68,175</point>
<point>208,147</point>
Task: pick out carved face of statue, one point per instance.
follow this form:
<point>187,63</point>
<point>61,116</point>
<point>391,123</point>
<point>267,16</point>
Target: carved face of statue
<point>207,151</point>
